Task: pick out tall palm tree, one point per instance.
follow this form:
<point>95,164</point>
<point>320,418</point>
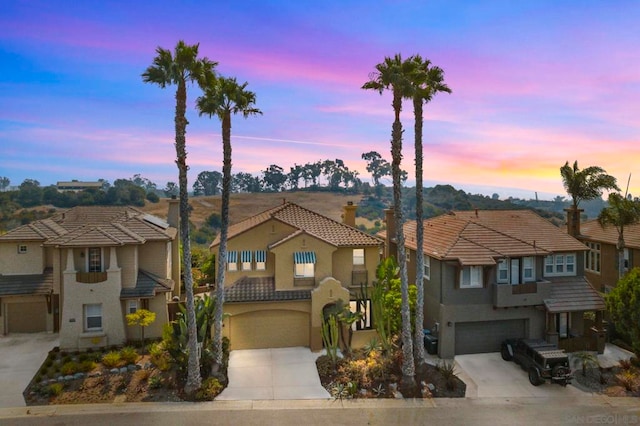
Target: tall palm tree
<point>426,82</point>
<point>181,68</point>
<point>585,184</point>
<point>392,74</point>
<point>223,98</point>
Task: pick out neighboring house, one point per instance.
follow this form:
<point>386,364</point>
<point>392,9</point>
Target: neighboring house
<point>492,275</point>
<point>76,186</point>
<point>601,261</point>
<point>82,270</point>
<point>285,266</point>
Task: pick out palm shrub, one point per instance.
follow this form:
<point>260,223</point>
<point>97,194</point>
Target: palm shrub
<point>448,371</point>
<point>585,360</point>
<point>330,336</point>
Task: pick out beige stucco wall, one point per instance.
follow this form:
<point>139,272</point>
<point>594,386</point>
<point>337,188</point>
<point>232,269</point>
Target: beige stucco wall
<point>128,263</point>
<point>158,305</point>
<point>284,275</point>
<point>153,257</point>
<point>14,263</point>
<point>343,264</point>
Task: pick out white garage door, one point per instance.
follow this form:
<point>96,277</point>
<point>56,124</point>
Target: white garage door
<point>486,336</point>
<point>30,317</point>
<point>269,329</point>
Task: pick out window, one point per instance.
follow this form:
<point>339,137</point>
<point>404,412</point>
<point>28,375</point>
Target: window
<point>93,317</point>
<point>358,257</point>
<point>261,260</point>
<point>471,277</point>
<point>560,264</point>
<point>427,268</point>
<point>592,257</point>
<point>364,307</point>
<point>503,271</point>
<point>132,306</point>
<point>562,323</point>
<point>528,269</point>
<point>22,249</point>
<point>245,259</point>
<point>407,255</point>
<point>626,260</point>
<point>304,264</point>
<point>232,261</point>
<point>94,259</point>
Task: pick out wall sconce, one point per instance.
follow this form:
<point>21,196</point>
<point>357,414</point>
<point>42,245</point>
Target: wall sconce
<point>449,323</point>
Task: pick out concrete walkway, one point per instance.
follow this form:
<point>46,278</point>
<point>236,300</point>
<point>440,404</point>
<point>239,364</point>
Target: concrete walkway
<point>264,374</point>
<point>21,355</point>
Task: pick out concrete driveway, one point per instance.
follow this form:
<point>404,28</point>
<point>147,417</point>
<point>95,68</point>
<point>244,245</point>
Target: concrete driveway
<point>282,373</point>
<point>488,375</point>
<point>21,355</point>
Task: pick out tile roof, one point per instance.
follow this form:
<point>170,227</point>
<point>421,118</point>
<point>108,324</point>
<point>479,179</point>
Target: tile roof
<point>572,294</point>
<point>147,285</point>
<point>479,237</point>
<point>95,226</point>
<point>592,230</point>
<point>312,223</point>
<point>23,285</point>
<point>261,289</point>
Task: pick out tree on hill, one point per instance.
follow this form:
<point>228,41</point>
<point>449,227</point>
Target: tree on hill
<point>207,183</point>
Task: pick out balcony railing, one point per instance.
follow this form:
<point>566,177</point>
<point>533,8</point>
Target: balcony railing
<point>91,277</point>
<point>527,288</point>
<point>525,294</point>
<point>358,277</point>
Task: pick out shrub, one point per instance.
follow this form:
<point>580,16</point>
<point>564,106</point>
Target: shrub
<point>448,371</point>
<point>69,368</point>
<point>155,382</point>
<point>54,389</point>
<point>112,359</point>
<point>129,355</point>
<point>83,357</point>
<point>87,365</point>
<point>627,379</point>
<point>625,364</point>
<point>210,388</point>
<point>159,356</point>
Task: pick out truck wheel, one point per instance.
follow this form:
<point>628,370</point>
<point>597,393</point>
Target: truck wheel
<point>504,351</point>
<point>561,371</point>
<point>534,377</point>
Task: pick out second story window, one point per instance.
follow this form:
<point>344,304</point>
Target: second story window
<point>22,249</point>
<point>592,257</point>
<point>232,261</point>
<point>427,268</point>
<point>471,277</point>
<point>358,257</point>
<point>560,265</point>
<point>261,260</point>
<point>94,259</point>
<point>245,260</point>
<point>626,259</point>
<point>528,269</point>
<point>304,264</point>
<point>503,271</point>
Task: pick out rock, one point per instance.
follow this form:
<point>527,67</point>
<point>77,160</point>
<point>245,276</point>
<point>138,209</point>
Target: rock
<point>114,371</point>
<point>123,370</point>
<point>431,387</point>
<point>60,379</point>
<point>132,367</point>
<point>67,378</point>
<point>397,395</point>
<point>78,376</point>
<point>393,387</point>
<point>363,393</point>
<point>95,374</point>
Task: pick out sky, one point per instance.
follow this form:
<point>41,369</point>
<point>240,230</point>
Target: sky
<point>534,84</point>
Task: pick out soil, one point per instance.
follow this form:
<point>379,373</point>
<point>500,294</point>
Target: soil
<point>609,381</point>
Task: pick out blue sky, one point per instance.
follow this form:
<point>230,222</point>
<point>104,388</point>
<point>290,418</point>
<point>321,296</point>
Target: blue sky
<point>535,84</point>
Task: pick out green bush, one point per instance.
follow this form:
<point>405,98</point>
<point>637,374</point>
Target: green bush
<point>112,359</point>
<point>54,389</point>
<point>129,355</point>
<point>87,365</point>
<point>210,388</point>
<point>159,356</point>
<point>155,382</point>
<point>69,368</point>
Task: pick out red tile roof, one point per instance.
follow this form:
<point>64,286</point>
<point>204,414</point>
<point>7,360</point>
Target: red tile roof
<point>593,231</point>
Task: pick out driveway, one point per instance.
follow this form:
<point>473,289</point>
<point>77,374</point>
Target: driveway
<point>282,373</point>
<point>20,357</point>
<point>488,375</point>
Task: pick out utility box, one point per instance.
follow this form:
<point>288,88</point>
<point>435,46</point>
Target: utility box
<point>431,344</point>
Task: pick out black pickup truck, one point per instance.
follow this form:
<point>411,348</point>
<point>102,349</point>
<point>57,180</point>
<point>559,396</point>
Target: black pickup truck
<point>541,360</point>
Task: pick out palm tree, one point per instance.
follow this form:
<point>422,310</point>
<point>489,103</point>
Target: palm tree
<point>223,98</point>
<point>393,74</point>
<point>622,211</point>
<point>426,81</point>
<point>181,68</point>
<point>585,184</point>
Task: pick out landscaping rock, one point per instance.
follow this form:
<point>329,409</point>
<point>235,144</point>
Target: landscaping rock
<point>132,367</point>
<point>114,371</point>
<point>123,370</point>
<point>78,376</point>
<point>68,378</point>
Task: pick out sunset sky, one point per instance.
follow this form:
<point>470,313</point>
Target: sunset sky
<point>535,84</point>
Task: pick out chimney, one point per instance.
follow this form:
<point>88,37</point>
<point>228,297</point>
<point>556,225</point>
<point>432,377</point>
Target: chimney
<point>173,215</point>
<point>573,221</point>
<point>349,215</point>
<point>390,242</point>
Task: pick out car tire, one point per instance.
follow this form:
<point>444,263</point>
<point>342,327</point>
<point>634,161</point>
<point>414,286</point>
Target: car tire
<point>534,377</point>
<point>506,355</point>
<point>560,370</point>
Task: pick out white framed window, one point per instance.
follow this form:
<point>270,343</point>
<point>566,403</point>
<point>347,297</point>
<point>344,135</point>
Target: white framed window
<point>304,270</point>
<point>363,306</point>
<point>560,265</point>
<point>92,317</point>
<point>261,260</point>
<point>427,268</point>
<point>132,306</point>
<point>528,269</point>
<point>471,277</point>
<point>626,259</point>
<point>232,261</point>
<point>592,257</point>
<point>503,271</point>
<point>94,259</point>
<point>245,260</point>
<point>22,248</point>
<point>304,264</point>
<point>358,256</point>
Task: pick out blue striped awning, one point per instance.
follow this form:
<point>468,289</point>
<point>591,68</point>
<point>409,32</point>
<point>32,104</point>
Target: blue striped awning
<point>304,257</point>
<point>232,256</point>
<point>245,256</point>
<point>261,256</point>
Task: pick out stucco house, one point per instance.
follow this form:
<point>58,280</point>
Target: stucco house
<point>497,274</point>
<point>285,266</point>
<point>82,270</point>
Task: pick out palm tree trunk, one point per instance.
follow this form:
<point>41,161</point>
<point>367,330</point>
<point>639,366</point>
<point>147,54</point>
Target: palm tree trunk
<point>224,225</point>
<point>408,367</point>
<point>419,319</point>
<point>194,379</point>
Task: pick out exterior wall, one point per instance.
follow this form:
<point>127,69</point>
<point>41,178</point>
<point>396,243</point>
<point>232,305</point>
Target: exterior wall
<point>328,291</point>
<point>7,300</point>
<point>343,266</point>
<point>158,305</point>
<point>284,260</point>
<point>154,257</point>
<point>14,263</point>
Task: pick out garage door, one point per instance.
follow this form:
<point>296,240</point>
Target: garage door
<point>30,317</point>
<point>269,329</point>
<point>486,336</point>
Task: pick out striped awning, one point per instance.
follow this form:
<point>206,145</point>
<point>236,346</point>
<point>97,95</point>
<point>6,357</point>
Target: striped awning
<point>261,256</point>
<point>232,256</point>
<point>304,257</point>
<point>245,256</point>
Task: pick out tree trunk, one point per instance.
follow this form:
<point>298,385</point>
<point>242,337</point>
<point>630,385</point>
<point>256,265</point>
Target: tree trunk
<point>194,379</point>
<point>419,319</point>
<point>408,366</point>
<point>224,225</point>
